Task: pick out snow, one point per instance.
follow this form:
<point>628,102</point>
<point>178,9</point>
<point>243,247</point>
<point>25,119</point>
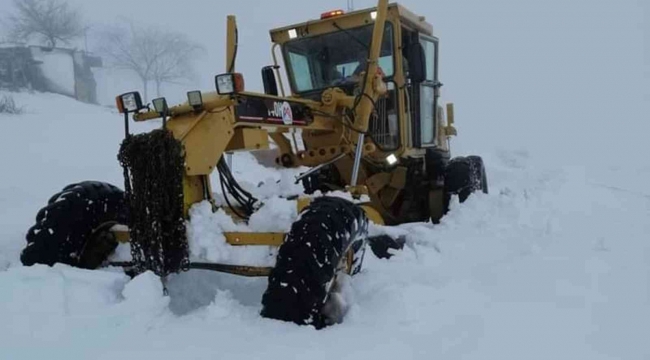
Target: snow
<point>268,181</point>
<point>121,254</point>
<point>206,228</point>
<point>275,215</point>
<point>145,289</point>
<point>553,264</point>
<point>343,195</point>
<point>207,242</point>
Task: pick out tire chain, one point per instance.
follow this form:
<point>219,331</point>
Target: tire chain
<point>154,195</point>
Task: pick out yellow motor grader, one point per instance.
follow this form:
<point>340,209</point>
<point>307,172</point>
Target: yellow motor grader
<point>361,109</point>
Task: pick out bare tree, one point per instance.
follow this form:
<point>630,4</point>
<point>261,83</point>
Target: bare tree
<point>127,49</point>
<point>153,54</point>
<point>175,61</point>
<point>50,21</point>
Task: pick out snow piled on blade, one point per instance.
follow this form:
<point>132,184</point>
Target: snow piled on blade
<point>207,242</point>
<point>553,264</point>
<point>275,213</point>
<point>257,173</point>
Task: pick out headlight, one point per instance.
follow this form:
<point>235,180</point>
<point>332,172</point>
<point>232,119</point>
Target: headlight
<point>229,83</point>
<point>391,159</point>
<point>129,102</point>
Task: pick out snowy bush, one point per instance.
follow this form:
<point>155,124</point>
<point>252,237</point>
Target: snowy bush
<point>8,106</point>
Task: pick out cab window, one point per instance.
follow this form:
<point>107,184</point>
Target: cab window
<point>427,93</point>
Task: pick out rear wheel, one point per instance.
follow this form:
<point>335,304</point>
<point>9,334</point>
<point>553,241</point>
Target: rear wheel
<point>73,228</point>
<point>464,176</point>
<point>319,246</point>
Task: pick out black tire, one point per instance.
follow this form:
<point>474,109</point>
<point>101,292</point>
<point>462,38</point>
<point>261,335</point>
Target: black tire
<point>308,261</point>
<point>71,229</point>
<point>464,176</point>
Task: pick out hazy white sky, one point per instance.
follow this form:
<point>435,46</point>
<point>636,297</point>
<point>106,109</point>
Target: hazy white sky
<point>559,68</point>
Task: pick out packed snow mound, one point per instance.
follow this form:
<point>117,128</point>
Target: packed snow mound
<point>553,263</point>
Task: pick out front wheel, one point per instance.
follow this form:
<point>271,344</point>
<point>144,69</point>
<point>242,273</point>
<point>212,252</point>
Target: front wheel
<point>315,250</point>
<point>71,229</point>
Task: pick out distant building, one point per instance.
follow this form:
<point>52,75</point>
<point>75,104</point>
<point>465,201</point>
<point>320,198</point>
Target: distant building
<point>62,71</point>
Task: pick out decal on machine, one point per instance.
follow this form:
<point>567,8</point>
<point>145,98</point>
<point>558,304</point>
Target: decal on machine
<point>282,110</point>
<point>270,111</point>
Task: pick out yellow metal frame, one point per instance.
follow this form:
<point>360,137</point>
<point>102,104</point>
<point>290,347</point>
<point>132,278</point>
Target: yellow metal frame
<point>253,238</point>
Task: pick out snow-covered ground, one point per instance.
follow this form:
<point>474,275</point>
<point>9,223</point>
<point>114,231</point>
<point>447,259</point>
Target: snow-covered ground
<point>553,264</point>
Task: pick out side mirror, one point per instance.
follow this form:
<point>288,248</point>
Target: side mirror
<point>269,80</point>
<point>417,63</point>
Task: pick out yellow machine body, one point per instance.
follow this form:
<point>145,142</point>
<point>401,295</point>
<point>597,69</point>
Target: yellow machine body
<point>329,123</point>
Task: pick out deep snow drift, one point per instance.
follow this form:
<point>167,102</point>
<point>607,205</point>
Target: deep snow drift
<point>553,264</point>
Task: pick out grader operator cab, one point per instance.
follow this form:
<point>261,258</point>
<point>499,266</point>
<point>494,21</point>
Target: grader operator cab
<point>361,109</point>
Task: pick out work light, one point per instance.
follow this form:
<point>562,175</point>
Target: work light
<point>225,84</point>
<point>129,102</point>
<point>229,83</point>
<point>160,105</point>
<point>391,159</point>
<point>195,99</point>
